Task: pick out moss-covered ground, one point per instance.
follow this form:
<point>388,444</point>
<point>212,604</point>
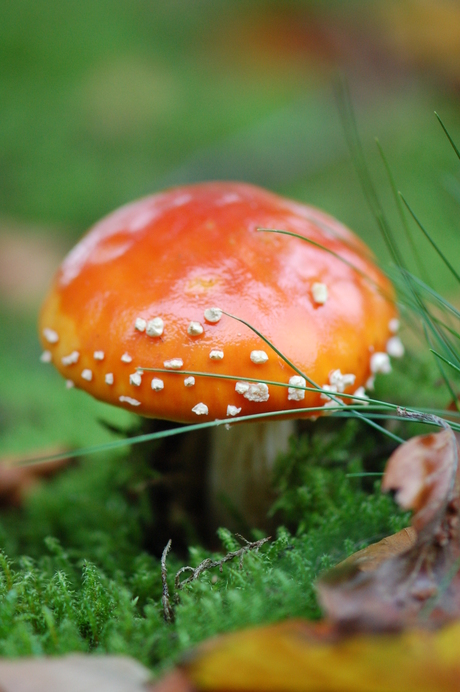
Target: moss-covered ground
<point>100,103</point>
<point>74,574</point>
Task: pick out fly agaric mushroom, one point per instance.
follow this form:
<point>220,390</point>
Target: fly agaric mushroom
<point>146,287</point>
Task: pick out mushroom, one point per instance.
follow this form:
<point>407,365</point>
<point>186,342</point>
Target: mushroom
<point>153,285</point>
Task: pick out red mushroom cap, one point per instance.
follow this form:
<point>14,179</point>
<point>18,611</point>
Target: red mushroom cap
<point>136,291</point>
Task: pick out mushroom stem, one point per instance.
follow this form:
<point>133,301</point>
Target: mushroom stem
<point>242,459</point>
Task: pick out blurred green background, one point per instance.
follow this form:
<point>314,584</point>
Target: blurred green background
<point>102,101</point>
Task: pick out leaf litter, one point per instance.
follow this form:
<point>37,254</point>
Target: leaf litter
<point>411,578</point>
<point>392,610</point>
<point>18,478</point>
<point>74,673</point>
<point>298,656</point>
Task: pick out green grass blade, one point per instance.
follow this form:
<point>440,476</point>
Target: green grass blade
<point>434,296</point>
<point>402,216</point>
<point>445,378</point>
<point>430,239</point>
<point>149,437</point>
<point>448,362</point>
<point>348,118</point>
<point>454,147</point>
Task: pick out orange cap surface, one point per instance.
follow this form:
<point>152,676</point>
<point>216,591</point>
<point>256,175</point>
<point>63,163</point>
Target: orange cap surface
<point>178,253</point>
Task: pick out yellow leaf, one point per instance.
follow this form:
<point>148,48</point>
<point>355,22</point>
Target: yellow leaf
<point>298,656</point>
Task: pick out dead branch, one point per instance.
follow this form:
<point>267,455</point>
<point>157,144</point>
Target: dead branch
<point>209,563</point>
<point>168,612</point>
<point>422,417</point>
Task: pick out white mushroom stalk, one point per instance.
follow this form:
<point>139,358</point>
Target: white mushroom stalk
<point>241,463</point>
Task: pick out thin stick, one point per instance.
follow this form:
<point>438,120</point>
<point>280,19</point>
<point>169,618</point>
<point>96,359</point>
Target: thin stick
<point>168,612</point>
<point>423,417</point>
<point>209,563</point>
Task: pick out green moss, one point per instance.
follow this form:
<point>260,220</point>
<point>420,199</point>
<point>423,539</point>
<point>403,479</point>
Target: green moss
<point>93,588</point>
<point>326,485</point>
<point>74,147</point>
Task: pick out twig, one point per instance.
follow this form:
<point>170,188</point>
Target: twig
<point>423,417</point>
<point>209,563</point>
<point>168,612</point>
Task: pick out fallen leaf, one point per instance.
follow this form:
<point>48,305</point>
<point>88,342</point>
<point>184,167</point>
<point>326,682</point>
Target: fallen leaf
<point>300,656</point>
<point>423,473</point>
<point>74,673</point>
<point>368,559</point>
<point>29,257</point>
<point>390,607</point>
<point>17,477</point>
<point>413,577</point>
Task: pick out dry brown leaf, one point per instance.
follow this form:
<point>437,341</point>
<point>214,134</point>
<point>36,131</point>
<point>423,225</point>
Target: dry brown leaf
<point>422,472</point>
<point>298,656</point>
<point>17,477</point>
<point>74,673</point>
<point>368,559</point>
<point>391,585</point>
<point>405,582</point>
<point>28,259</point>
